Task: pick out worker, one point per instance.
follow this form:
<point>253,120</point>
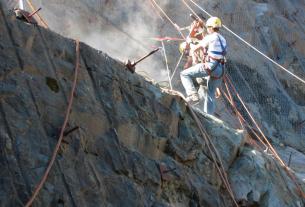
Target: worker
<point>196,33</point>
<point>213,67</point>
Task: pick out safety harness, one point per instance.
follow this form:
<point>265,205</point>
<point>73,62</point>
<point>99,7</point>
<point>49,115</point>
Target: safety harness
<point>219,61</point>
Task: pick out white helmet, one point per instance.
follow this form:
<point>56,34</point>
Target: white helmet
<point>213,22</point>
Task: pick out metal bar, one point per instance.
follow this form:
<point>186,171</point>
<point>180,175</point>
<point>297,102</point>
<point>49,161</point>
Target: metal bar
<point>66,133</point>
<point>169,170</point>
<point>35,12</point>
<point>176,67</point>
<point>170,84</point>
<point>152,52</point>
<point>289,158</point>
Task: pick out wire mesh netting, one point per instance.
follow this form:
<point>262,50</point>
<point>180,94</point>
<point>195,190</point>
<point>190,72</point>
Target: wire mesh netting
<point>274,98</point>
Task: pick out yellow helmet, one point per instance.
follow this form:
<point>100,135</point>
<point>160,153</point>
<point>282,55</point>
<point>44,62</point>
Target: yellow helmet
<point>182,47</point>
<point>213,22</point>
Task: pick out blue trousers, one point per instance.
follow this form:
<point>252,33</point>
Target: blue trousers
<point>198,71</point>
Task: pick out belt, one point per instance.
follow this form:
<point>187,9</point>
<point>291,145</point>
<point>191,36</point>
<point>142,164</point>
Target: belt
<point>214,68</point>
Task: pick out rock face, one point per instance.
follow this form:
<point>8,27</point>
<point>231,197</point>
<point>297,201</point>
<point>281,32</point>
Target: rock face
<point>127,127</point>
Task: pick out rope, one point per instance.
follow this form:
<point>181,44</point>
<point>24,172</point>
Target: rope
<point>228,111</point>
<point>160,25</point>
<point>226,118</point>
<point>275,153</point>
<point>227,78</point>
<point>252,141</point>
<point>169,79</point>
<point>37,14</point>
<point>252,46</point>
<point>167,17</point>
<point>62,129</point>
<point>232,102</point>
<point>209,142</point>
<point>161,18</point>
<point>176,67</point>
<point>192,10</point>
<point>248,125</point>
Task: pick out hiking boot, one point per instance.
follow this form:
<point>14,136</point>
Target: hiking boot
<point>193,98</point>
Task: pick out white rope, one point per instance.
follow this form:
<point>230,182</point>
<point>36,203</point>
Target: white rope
<point>176,67</point>
<point>252,46</point>
<point>169,79</point>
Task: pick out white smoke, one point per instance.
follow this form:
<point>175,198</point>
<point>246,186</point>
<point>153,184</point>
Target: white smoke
<point>133,18</point>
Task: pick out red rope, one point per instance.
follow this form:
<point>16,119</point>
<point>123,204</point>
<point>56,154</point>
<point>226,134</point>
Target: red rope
<point>161,18</point>
<point>192,10</point>
<point>167,17</point>
<point>275,153</point>
<point>62,129</point>
<point>159,24</point>
<point>228,111</point>
<point>226,119</point>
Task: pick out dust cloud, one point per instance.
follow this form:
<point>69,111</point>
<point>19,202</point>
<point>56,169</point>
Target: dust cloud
<point>133,25</point>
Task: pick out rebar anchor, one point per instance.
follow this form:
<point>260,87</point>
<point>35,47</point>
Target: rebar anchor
<point>35,12</point>
<point>169,170</point>
<point>26,16</point>
<point>164,171</point>
<point>131,65</point>
<point>67,133</point>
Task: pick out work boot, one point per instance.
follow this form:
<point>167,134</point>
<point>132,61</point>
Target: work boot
<point>193,98</point>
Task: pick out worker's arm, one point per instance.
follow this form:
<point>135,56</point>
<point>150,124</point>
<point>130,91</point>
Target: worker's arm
<point>196,48</point>
<point>202,44</point>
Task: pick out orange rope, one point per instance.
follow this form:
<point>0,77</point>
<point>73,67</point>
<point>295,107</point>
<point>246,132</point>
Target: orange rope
<point>192,10</point>
<point>160,25</point>
<point>232,102</point>
<point>252,141</point>
<point>222,172</point>
<point>252,131</point>
<point>167,17</point>
<point>255,144</point>
<point>226,95</point>
<point>37,14</point>
<point>226,118</point>
<point>226,77</point>
<point>161,18</point>
<point>277,156</point>
<point>228,111</point>
<point>62,129</point>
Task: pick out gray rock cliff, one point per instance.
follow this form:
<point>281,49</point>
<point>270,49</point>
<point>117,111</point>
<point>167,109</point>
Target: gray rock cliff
<point>128,125</point>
